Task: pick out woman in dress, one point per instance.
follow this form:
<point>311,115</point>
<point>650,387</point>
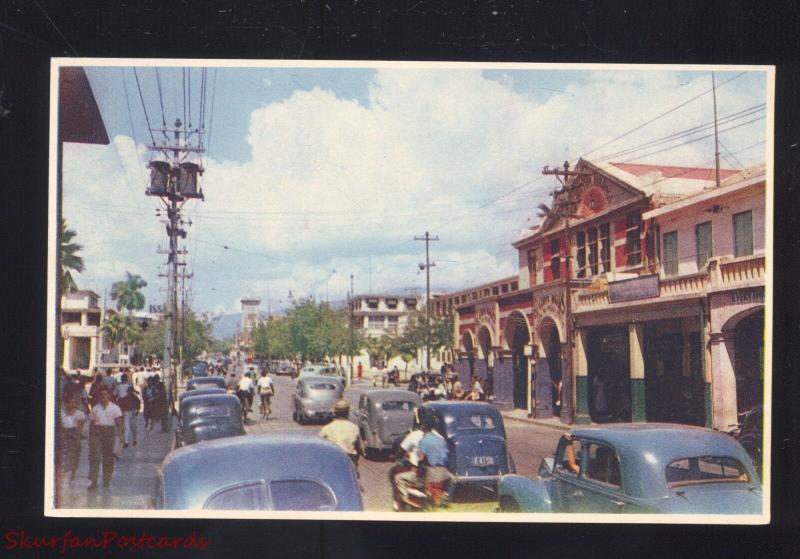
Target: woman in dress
<point>71,423</point>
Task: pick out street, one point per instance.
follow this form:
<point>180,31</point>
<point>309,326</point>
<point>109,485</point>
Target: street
<point>528,443</point>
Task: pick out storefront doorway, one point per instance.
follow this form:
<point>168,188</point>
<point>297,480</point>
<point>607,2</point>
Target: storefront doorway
<point>548,370</point>
<point>518,337</point>
<point>674,391</point>
<point>609,374</point>
<point>748,364</point>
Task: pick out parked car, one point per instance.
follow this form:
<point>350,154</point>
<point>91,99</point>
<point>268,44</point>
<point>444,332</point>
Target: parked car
<point>200,369</point>
<point>476,438</point>
<point>205,382</point>
<point>259,472</point>
<point>208,416</point>
<point>285,368</point>
<point>323,370</point>
<point>639,468</point>
<point>383,417</point>
<point>202,391</point>
<point>314,398</point>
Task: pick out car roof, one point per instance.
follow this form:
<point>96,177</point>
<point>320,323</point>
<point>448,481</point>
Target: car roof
<point>215,398</point>
<point>645,450</point>
<point>193,473</point>
<point>318,378</point>
<point>460,407</point>
<point>202,392</point>
<point>404,395</point>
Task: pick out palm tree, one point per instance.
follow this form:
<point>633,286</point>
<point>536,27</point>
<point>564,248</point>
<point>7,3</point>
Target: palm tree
<point>121,329</point>
<point>69,258</point>
<point>127,293</point>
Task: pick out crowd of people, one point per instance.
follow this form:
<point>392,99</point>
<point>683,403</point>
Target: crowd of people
<point>446,385</point>
<point>110,403</point>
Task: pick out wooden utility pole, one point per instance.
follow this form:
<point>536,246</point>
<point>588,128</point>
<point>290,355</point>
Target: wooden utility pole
<point>427,267</point>
<point>351,301</point>
<point>716,133</point>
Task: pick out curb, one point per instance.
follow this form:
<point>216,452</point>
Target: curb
<point>536,422</point>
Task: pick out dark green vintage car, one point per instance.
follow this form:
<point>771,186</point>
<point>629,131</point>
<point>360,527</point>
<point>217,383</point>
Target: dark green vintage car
<point>639,468</point>
<point>208,416</point>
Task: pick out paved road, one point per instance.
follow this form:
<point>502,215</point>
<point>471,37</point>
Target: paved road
<point>528,443</point>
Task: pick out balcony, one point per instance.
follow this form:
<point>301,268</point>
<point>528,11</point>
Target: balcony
<point>73,330</point>
<point>745,271</point>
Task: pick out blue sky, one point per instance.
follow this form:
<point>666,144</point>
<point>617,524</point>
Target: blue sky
<point>317,173</point>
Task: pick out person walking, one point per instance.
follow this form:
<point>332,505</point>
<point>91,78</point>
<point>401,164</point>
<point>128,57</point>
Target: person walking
<point>94,390</point>
<point>342,431</point>
<point>106,424</point>
<point>129,403</point>
<point>70,430</point>
<point>148,399</point>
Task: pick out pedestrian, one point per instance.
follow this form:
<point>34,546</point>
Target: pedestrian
<point>160,411</point>
<point>70,430</point>
<point>109,381</point>
<point>342,431</point>
<point>360,370</point>
<point>128,401</point>
<point>433,453</point>
<point>94,390</point>
<point>106,424</point>
<point>458,390</point>
<point>148,399</point>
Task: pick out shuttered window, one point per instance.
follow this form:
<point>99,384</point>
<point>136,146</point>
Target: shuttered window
<point>704,249</point>
<point>743,233</point>
<point>671,253</point>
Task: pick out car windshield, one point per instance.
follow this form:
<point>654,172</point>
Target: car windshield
<point>705,469</point>
<point>392,405</point>
<point>475,421</point>
<point>212,411</point>
<point>321,386</point>
<point>300,494</point>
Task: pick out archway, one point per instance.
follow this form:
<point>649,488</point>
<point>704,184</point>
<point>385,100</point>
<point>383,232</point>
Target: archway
<point>518,336</point>
<point>548,389</point>
<point>485,363</point>
<point>468,343</point>
<point>745,344</point>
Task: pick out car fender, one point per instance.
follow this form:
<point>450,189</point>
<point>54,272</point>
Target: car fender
<point>531,495</point>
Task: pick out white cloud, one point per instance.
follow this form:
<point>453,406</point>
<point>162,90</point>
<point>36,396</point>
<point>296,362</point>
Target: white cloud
<point>330,182</point>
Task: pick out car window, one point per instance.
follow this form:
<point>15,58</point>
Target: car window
<point>705,469</point>
<point>300,494</point>
<point>568,460</point>
<point>602,464</point>
<point>321,386</point>
<point>241,497</point>
<point>476,421</point>
<point>390,405</point>
<point>212,411</point>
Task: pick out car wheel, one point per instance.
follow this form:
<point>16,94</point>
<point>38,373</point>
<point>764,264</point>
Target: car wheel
<point>508,504</point>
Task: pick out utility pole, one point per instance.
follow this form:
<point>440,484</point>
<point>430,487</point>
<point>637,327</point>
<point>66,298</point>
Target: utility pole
<point>716,133</point>
<point>427,267</point>
<point>174,170</point>
<point>351,301</point>
<point>567,211</point>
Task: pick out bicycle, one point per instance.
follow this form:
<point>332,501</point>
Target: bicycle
<point>266,405</point>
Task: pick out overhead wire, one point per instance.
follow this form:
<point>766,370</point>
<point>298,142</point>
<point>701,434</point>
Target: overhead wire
<point>144,108</point>
<point>161,100</point>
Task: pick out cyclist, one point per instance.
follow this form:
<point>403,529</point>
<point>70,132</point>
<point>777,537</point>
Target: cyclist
<point>266,389</point>
<point>245,393</point>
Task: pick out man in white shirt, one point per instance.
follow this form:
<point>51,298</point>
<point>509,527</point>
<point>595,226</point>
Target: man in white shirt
<point>106,423</point>
<point>245,390</point>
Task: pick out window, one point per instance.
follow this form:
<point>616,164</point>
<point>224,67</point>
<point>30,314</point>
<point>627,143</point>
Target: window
<point>300,494</point>
<point>376,321</point>
<point>671,253</point>
<point>602,464</point>
<point>569,455</point>
<point>705,469</point>
<point>555,258</point>
<point>702,232</point>
<point>743,233</point>
<point>391,303</point>
<point>411,304</point>
<point>372,303</point>
<point>532,265</point>
<point>593,251</point>
<point>475,421</point>
<point>605,247</point>
<point>390,405</point>
<point>242,497</point>
<point>71,318</point>
<point>633,239</point>
<point>580,241</point>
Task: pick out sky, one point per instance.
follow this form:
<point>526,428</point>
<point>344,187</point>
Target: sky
<point>314,174</point>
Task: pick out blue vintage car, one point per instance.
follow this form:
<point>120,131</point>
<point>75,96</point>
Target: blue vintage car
<point>383,417</point>
<point>205,382</point>
<point>199,392</point>
<point>476,439</point>
<point>208,416</point>
<point>259,472</point>
<point>314,398</point>
<point>639,468</point>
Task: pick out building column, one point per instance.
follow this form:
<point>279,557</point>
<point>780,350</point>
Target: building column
<point>92,353</point>
<point>636,364</point>
<point>581,364</point>
<point>66,361</point>
<point>723,380</point>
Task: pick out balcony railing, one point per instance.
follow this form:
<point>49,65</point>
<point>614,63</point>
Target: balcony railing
<point>683,285</point>
<point>743,270</point>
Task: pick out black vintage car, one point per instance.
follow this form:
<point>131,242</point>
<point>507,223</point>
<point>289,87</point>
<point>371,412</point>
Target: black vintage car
<point>476,439</point>
<point>208,416</point>
<point>383,417</point>
<point>203,391</point>
<point>205,382</point>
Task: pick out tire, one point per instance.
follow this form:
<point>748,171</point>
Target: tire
<point>508,504</point>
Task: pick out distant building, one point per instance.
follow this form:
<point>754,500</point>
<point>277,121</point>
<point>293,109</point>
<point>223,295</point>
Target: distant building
<point>80,330</point>
<point>377,315</point>
<point>251,316</point>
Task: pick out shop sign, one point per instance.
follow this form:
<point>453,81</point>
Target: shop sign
<point>643,287</point>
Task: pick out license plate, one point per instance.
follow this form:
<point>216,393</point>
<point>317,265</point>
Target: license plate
<point>483,461</point>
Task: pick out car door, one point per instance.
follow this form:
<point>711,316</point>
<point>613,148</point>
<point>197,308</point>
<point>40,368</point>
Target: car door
<point>601,481</point>
<point>566,491</point>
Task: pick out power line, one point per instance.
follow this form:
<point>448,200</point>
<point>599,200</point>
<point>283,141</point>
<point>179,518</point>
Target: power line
<point>144,108</point>
<point>161,101</point>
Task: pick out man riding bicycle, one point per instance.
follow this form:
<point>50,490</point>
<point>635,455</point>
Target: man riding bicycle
<point>245,391</point>
<point>266,390</point>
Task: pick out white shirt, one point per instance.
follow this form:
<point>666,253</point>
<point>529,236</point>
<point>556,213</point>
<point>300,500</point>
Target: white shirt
<point>245,384</point>
<point>122,390</point>
<point>411,444</point>
<point>71,421</point>
<point>106,417</point>
<point>264,385</point>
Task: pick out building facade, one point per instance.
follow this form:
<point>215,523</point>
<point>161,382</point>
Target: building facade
<point>81,317</point>
<point>614,318</point>
<point>251,316</point>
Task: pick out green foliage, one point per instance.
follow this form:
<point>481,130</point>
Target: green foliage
<point>272,339</point>
<point>197,337</point>
<point>382,348</point>
<point>223,346</point>
<point>317,330</point>
<point>127,293</point>
<point>69,258</point>
<point>121,329</point>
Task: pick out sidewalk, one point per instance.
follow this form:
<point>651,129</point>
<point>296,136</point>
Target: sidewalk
<point>134,478</point>
<point>522,415</point>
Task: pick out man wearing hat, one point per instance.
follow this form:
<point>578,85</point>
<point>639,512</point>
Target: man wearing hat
<point>342,431</point>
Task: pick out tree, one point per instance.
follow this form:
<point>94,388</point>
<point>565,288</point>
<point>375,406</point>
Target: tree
<point>69,258</point>
<point>128,294</point>
<point>272,339</point>
<point>224,345</point>
<point>382,348</point>
<point>442,333</point>
<point>121,329</point>
<point>197,337</point>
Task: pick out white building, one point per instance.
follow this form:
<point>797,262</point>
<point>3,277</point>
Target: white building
<point>251,316</point>
<point>377,315</point>
<point>80,330</point>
